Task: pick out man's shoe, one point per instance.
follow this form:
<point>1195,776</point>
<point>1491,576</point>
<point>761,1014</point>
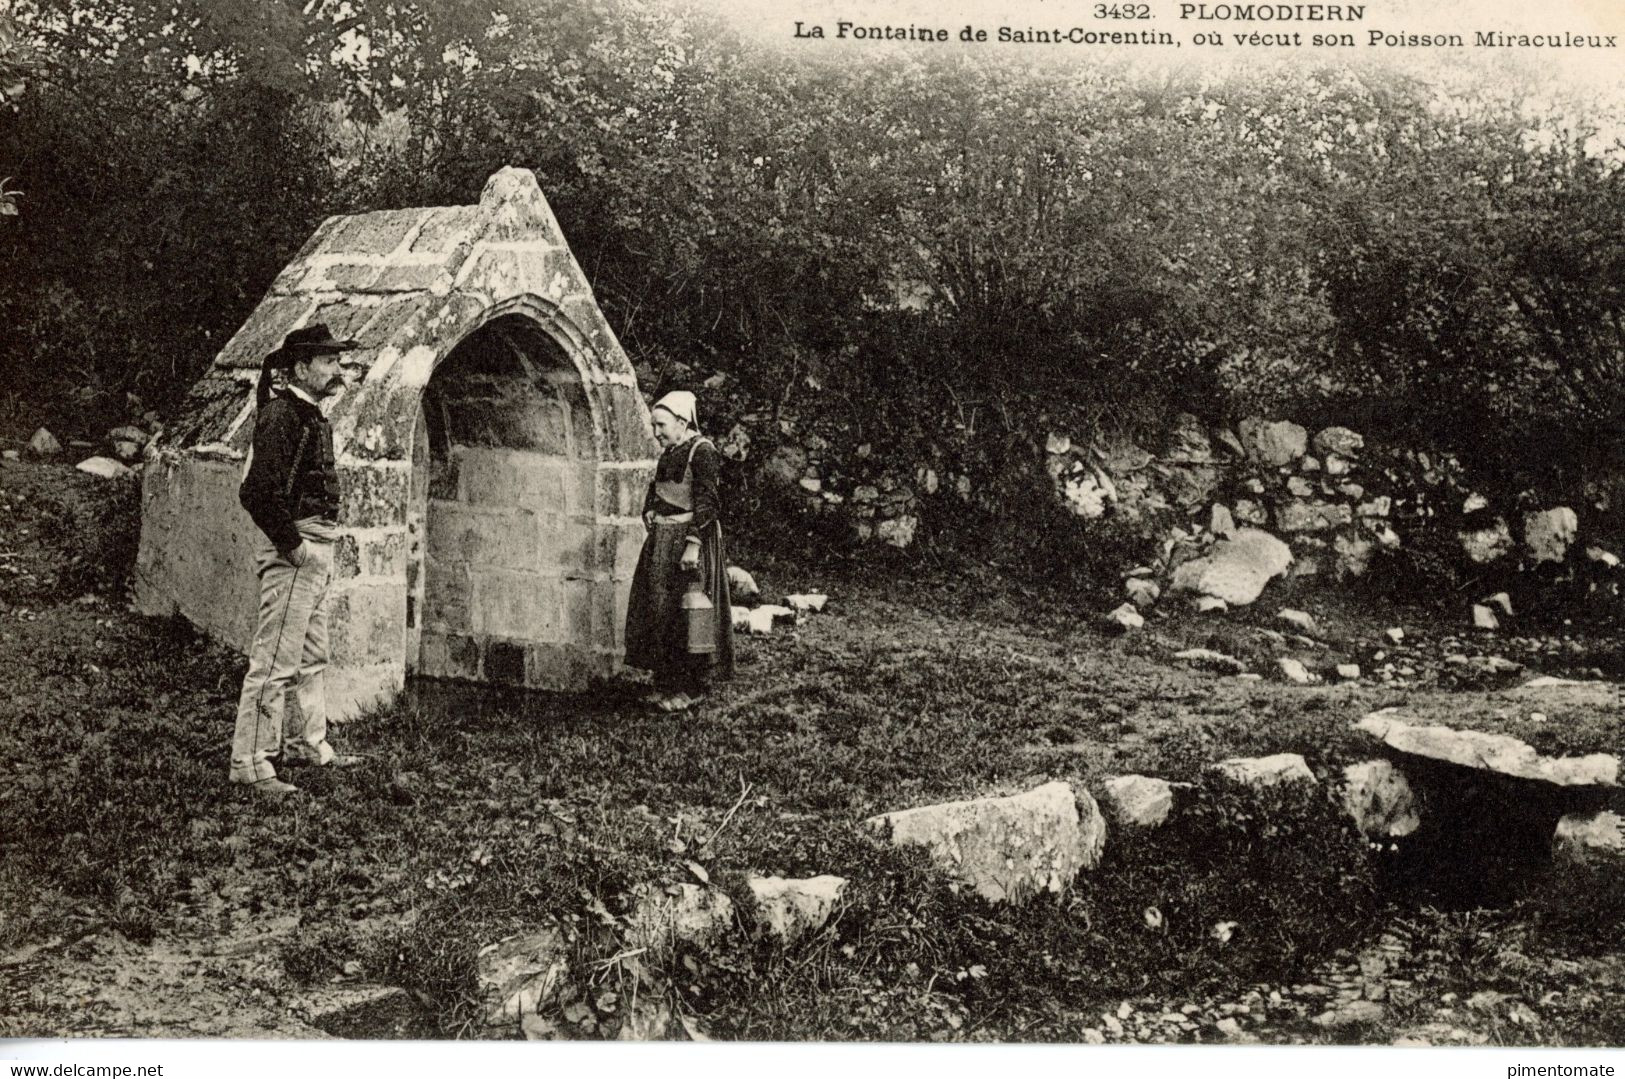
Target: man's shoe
<point>344,760</point>
<point>272,787</point>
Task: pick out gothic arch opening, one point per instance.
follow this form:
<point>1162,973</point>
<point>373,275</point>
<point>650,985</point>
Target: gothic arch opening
<point>503,579</point>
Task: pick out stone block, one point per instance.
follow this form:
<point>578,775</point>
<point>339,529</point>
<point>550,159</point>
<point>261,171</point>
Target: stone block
<point>405,277</point>
<point>384,555</point>
<point>444,227</point>
<point>581,490</point>
<point>372,496</point>
<point>433,657</point>
<point>587,436</point>
<point>621,491</point>
<point>446,598</point>
<point>574,548</point>
<point>607,627</point>
<point>578,597</point>
<point>1007,849</point>
<point>564,667</point>
<point>367,624</point>
<point>515,605</point>
<point>623,594</point>
<point>555,430</point>
<point>504,663</point>
<point>538,482</point>
<point>627,423</point>
<point>377,233</point>
<point>459,534</point>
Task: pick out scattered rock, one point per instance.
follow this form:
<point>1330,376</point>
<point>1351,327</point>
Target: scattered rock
<point>1294,671</point>
<point>44,444</point>
<point>1260,772</point>
<point>1139,801</point>
<point>1350,671</point>
<point>1210,660</point>
<point>1058,443</point>
<point>1302,620</point>
<point>104,467</point>
<point>1351,1013</point>
<point>759,621</point>
<point>1142,591</point>
<point>1236,569</point>
<point>1381,506</point>
<point>1306,516</point>
<point>1484,618</point>
<point>786,465</point>
<point>1220,522</point>
<point>789,908</point>
<point>1485,545</point>
<point>1338,440</point>
<point>1395,635</point>
<point>1207,604</point>
<point>1188,442</point>
<point>742,588</point>
<point>1379,798</point>
<point>1299,487</point>
<point>802,602</point>
<point>1584,834</point>
<point>664,916</point>
<point>1501,600</point>
<point>1126,618</point>
<point>898,531</point>
<point>1007,849</point>
<point>1548,533</point>
<point>1607,558</point>
<point>1273,443</point>
<point>10,455</point>
<point>519,975</point>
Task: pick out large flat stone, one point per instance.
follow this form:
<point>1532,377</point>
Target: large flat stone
<point>1497,753</point>
<point>1007,849</point>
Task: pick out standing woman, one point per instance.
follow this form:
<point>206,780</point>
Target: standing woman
<point>684,544</point>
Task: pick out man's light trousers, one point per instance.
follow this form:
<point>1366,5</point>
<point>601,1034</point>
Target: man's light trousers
<point>289,651</point>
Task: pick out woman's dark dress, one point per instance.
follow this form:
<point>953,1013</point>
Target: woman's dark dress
<point>656,631</point>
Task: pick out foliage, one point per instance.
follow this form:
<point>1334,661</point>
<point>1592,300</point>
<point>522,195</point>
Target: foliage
<point>937,254</point>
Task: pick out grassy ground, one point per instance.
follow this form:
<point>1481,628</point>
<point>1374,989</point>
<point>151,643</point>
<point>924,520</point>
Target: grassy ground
<point>143,895</point>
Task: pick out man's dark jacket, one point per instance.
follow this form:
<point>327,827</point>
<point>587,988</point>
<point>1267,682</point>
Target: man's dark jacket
<point>293,474</point>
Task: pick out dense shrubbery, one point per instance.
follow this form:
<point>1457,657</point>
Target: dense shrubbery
<point>1084,245</point>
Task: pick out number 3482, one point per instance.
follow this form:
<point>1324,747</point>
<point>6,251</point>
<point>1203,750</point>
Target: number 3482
<point>1122,11</point>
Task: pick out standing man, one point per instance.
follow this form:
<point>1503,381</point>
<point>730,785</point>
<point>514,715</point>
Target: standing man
<point>292,493</point>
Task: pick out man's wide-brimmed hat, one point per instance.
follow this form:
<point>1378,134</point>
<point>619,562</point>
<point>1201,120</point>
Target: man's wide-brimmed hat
<point>305,342</point>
